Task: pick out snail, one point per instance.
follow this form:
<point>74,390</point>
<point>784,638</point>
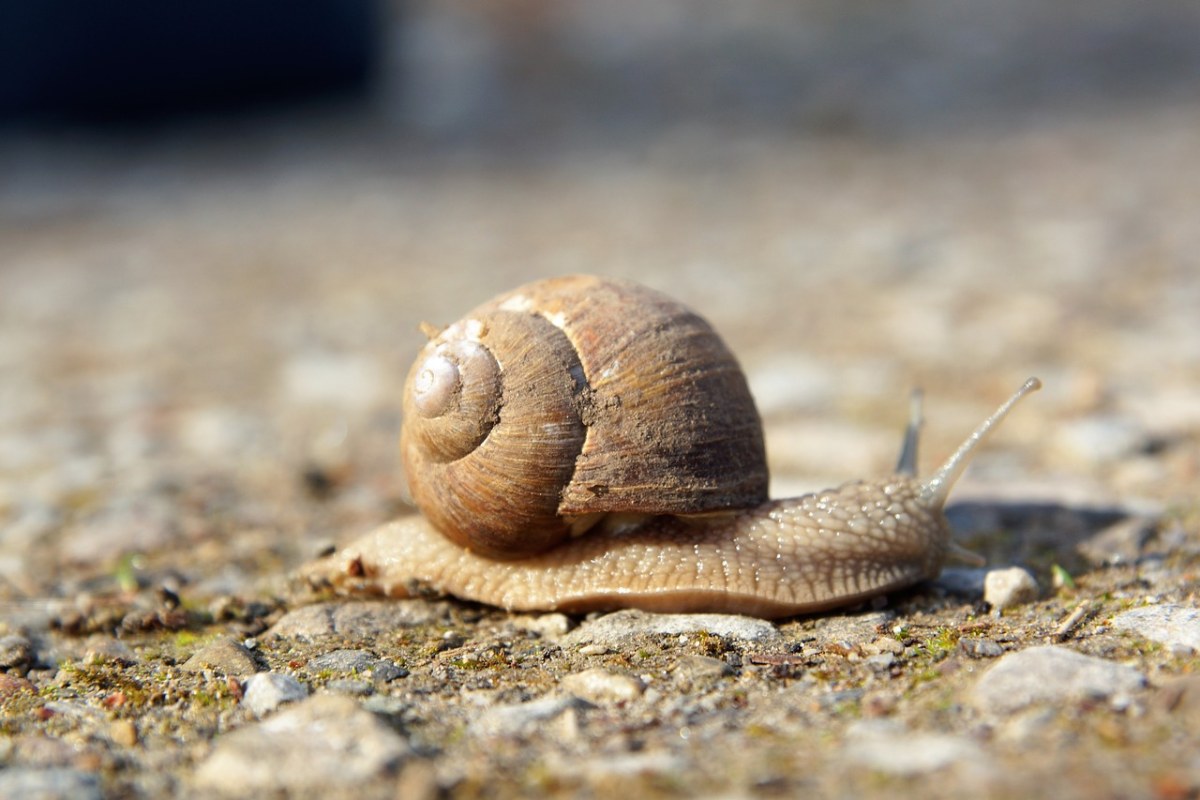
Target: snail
<point>584,444</point>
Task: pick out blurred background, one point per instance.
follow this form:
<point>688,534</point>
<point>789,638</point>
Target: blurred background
<point>221,223</point>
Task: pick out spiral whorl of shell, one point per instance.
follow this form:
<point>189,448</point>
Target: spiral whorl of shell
<point>571,398</point>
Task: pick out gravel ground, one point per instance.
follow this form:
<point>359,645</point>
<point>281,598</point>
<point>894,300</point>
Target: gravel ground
<point>202,339</point>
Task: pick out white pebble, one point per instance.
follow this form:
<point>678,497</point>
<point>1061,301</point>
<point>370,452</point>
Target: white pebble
<point>1005,588</point>
<point>267,691</point>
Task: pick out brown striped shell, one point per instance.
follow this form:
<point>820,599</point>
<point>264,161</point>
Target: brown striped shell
<point>568,399</point>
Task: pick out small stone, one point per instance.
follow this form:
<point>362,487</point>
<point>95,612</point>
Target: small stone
<point>123,732</point>
<point>266,691</point>
<point>105,649</point>
<point>388,671</point>
<point>355,661</point>
<point>891,748</point>
<point>1120,543</point>
<point>321,746</point>
<point>1176,626</point>
<point>523,718</point>
<point>700,669</point>
<point>884,644</point>
<point>12,685</point>
<point>980,648</point>
<point>351,687</point>
<point>387,705</point>
<point>618,629</point>
<point>359,620</point>
<point>849,631</point>
<point>1005,588</point>
<point>548,626</point>
<point>16,652</point>
<point>882,662</point>
<point>452,639</point>
<point>225,656</point>
<point>599,686</point>
<point>594,650</point>
<point>49,784</point>
<point>1052,674</point>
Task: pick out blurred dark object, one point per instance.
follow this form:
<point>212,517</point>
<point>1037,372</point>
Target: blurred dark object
<point>79,60</point>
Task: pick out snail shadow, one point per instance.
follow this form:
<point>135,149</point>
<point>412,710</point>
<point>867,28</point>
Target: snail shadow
<point>1040,535</point>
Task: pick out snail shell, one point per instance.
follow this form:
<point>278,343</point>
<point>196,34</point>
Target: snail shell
<point>618,400</point>
<point>569,399</point>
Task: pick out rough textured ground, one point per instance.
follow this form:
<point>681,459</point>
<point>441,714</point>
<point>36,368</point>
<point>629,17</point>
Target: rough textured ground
<point>202,338</point>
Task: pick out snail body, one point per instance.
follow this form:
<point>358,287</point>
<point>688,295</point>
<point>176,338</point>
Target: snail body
<point>601,537</point>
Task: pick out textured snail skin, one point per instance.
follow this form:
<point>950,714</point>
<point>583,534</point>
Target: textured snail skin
<point>777,559</point>
<point>780,558</point>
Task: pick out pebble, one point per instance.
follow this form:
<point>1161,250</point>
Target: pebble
<point>15,652</point>
<point>349,686</point>
<point>884,644</point>
<point>1006,588</point>
<point>595,650</point>
<point>1052,674</point>
<point>101,649</point>
<point>323,744</point>
<point>521,719</point>
<point>889,747</point>
<point>618,629</point>
<point>388,671</point>
<point>359,619</point>
<point>600,686</point>
<point>852,630</point>
<point>695,669</point>
<point>1119,543</point>
<point>1176,626</point>
<point>549,626</point>
<point>123,732</point>
<point>49,784</point>
<point>225,656</point>
<point>343,661</point>
<point>12,685</point>
<point>882,662</point>
<point>267,691</point>
<point>980,648</point>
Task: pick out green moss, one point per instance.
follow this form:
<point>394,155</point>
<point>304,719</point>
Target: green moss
<point>942,643</point>
<point>110,679</point>
<point>185,639</point>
